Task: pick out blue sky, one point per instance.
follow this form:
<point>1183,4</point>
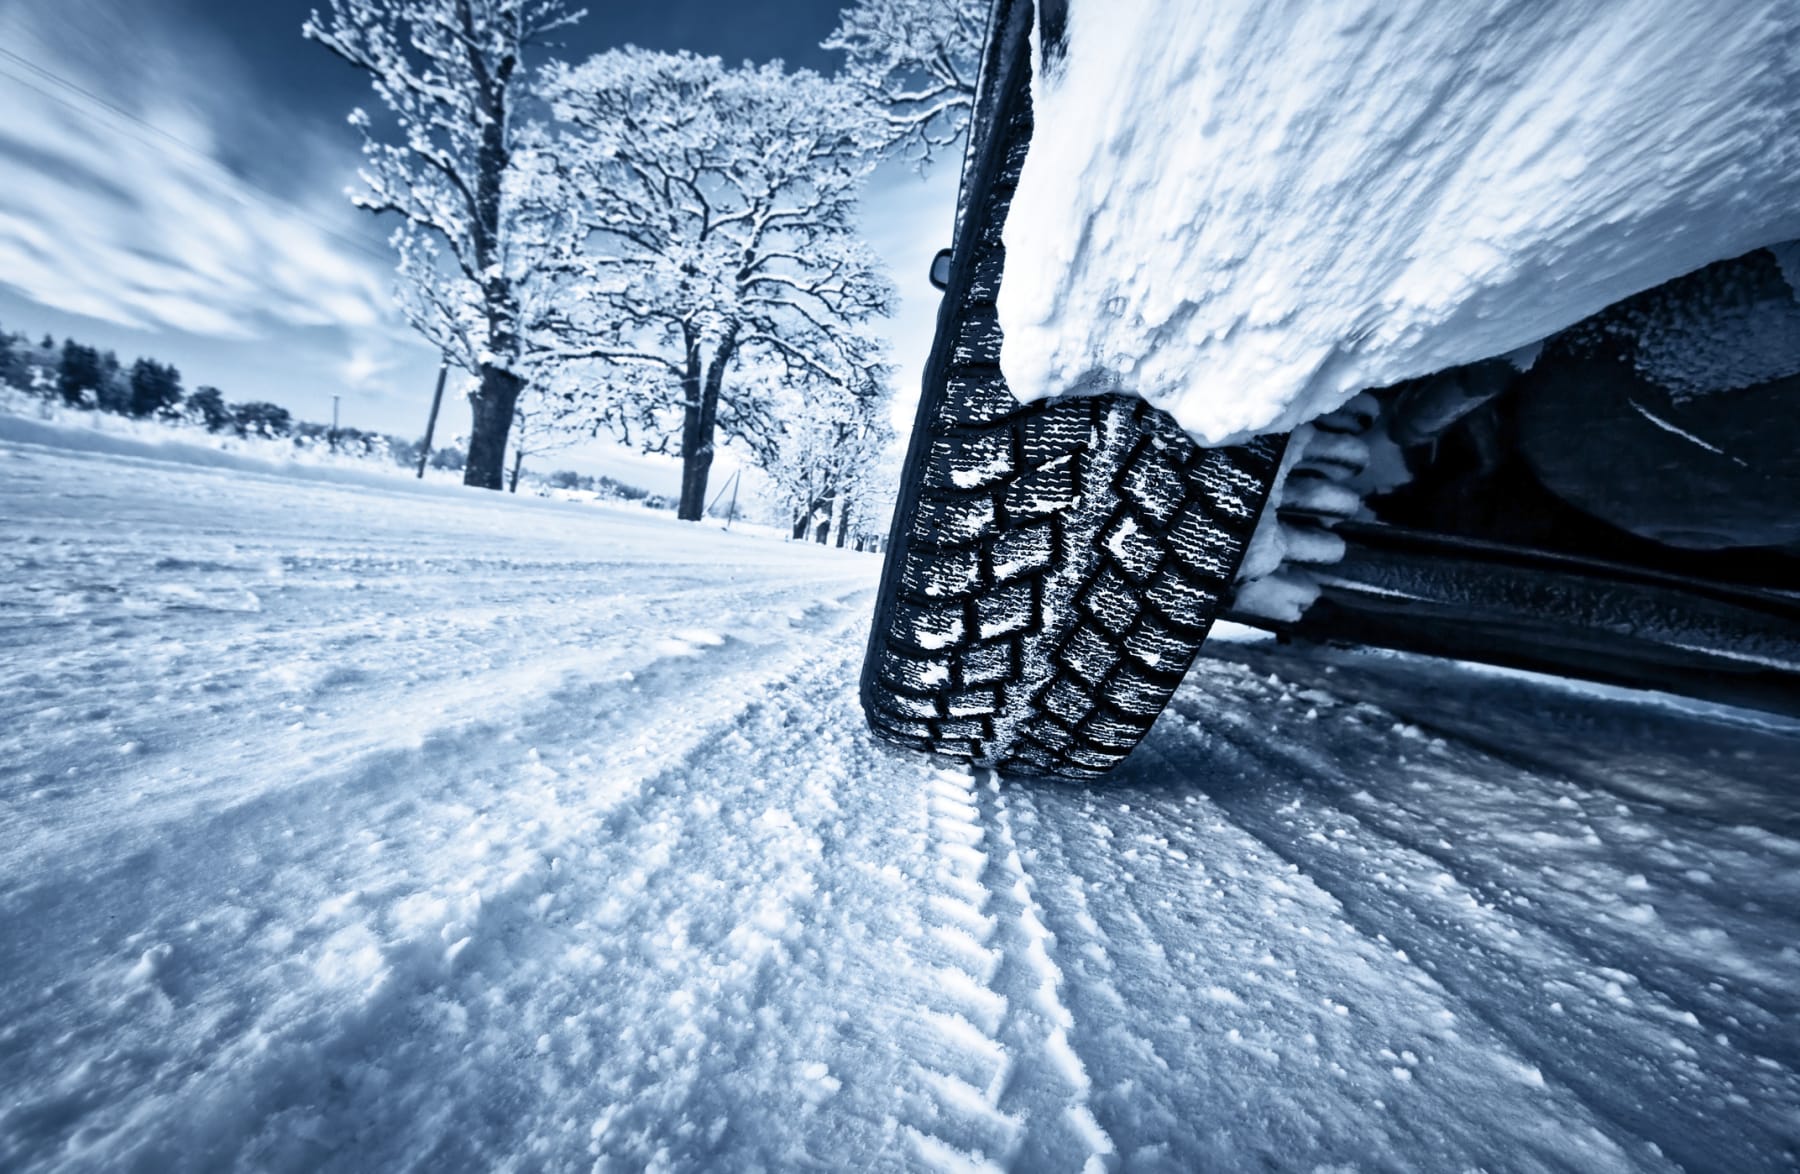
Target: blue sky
<point>175,172</point>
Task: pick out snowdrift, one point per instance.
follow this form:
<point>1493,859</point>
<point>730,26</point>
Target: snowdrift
<point>1246,211</point>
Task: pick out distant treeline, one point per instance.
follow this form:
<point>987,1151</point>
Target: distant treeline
<point>91,379</point>
<point>605,486</point>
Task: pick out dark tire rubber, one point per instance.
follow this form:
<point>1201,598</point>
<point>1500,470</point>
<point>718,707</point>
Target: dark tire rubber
<point>1053,567</point>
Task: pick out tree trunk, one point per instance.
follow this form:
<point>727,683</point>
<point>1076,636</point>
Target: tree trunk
<point>843,525</point>
<point>491,409</point>
<point>800,520</point>
<point>492,404</point>
<point>698,423</point>
<point>824,532</point>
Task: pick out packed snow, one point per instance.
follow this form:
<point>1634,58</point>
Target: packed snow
<point>382,826</point>
<point>1246,211</point>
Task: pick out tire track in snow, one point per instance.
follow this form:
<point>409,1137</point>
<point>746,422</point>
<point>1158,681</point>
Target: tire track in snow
<point>1232,1014</point>
<point>374,638</point>
<point>1006,1089</point>
<point>1613,1051</point>
<point>722,897</point>
<point>381,742</point>
<point>1490,886</point>
<point>1101,1018</point>
<point>1047,1087</point>
<point>960,1065</point>
<point>511,887</point>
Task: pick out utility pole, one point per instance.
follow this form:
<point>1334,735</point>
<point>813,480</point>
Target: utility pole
<point>732,485</point>
<point>437,398</point>
<point>334,423</point>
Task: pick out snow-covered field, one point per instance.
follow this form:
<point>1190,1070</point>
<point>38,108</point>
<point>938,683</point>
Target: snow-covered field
<point>401,827</point>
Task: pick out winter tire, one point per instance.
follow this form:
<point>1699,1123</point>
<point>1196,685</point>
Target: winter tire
<point>1053,567</point>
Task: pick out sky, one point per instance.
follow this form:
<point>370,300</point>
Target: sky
<point>175,188</point>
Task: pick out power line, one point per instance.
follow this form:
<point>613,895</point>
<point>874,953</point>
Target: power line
<point>256,192</point>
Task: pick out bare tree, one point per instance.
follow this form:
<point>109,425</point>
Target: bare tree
<point>713,249</point>
<point>538,430</point>
<point>450,73</point>
<point>916,60</point>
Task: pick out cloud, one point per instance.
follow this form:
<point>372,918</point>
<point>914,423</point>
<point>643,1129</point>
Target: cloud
<point>116,203</point>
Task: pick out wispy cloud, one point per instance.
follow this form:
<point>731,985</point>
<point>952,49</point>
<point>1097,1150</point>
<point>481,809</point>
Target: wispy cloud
<point>115,202</point>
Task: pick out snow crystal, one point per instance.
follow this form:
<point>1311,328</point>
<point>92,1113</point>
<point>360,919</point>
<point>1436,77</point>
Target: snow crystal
<point>1246,211</point>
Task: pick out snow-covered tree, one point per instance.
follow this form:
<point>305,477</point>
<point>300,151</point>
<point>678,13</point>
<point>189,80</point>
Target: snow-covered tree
<point>454,168</point>
<point>916,61</point>
<point>207,408</point>
<point>261,418</point>
<point>13,371</point>
<point>825,460</point>
<point>712,236</point>
<point>79,375</point>
<point>155,388</point>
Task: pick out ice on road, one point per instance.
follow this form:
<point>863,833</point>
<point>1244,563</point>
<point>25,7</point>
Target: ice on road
<point>355,828</point>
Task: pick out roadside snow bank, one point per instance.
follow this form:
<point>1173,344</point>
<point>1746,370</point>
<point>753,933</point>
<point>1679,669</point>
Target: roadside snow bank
<point>1246,211</point>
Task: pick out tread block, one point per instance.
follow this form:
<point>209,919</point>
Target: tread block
<point>1154,485</point>
<point>1050,733</point>
<point>1013,161</point>
<point>904,706</point>
<point>1068,701</point>
<point>1007,608</point>
<point>990,237</point>
<point>1178,598</point>
<point>905,727</point>
<point>1031,760</point>
<point>984,277</point>
<point>1054,488</point>
<point>1235,483</point>
<point>1135,551</point>
<point>975,397</point>
<point>1027,551</point>
<point>969,463</point>
<point>977,338</point>
<point>1114,732</point>
<point>1056,431</point>
<point>1089,656</point>
<point>973,702</point>
<point>911,674</point>
<point>969,728</point>
<point>944,574</point>
<point>1159,646</point>
<point>995,663</point>
<point>1111,601</point>
<point>1093,758</point>
<point>928,627</point>
<point>956,522</point>
<point>1203,545</point>
<point>1135,695</point>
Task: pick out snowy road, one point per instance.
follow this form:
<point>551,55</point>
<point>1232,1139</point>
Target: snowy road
<point>355,828</point>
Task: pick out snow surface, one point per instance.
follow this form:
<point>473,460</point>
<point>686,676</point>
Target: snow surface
<point>1245,211</point>
<point>358,827</point>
